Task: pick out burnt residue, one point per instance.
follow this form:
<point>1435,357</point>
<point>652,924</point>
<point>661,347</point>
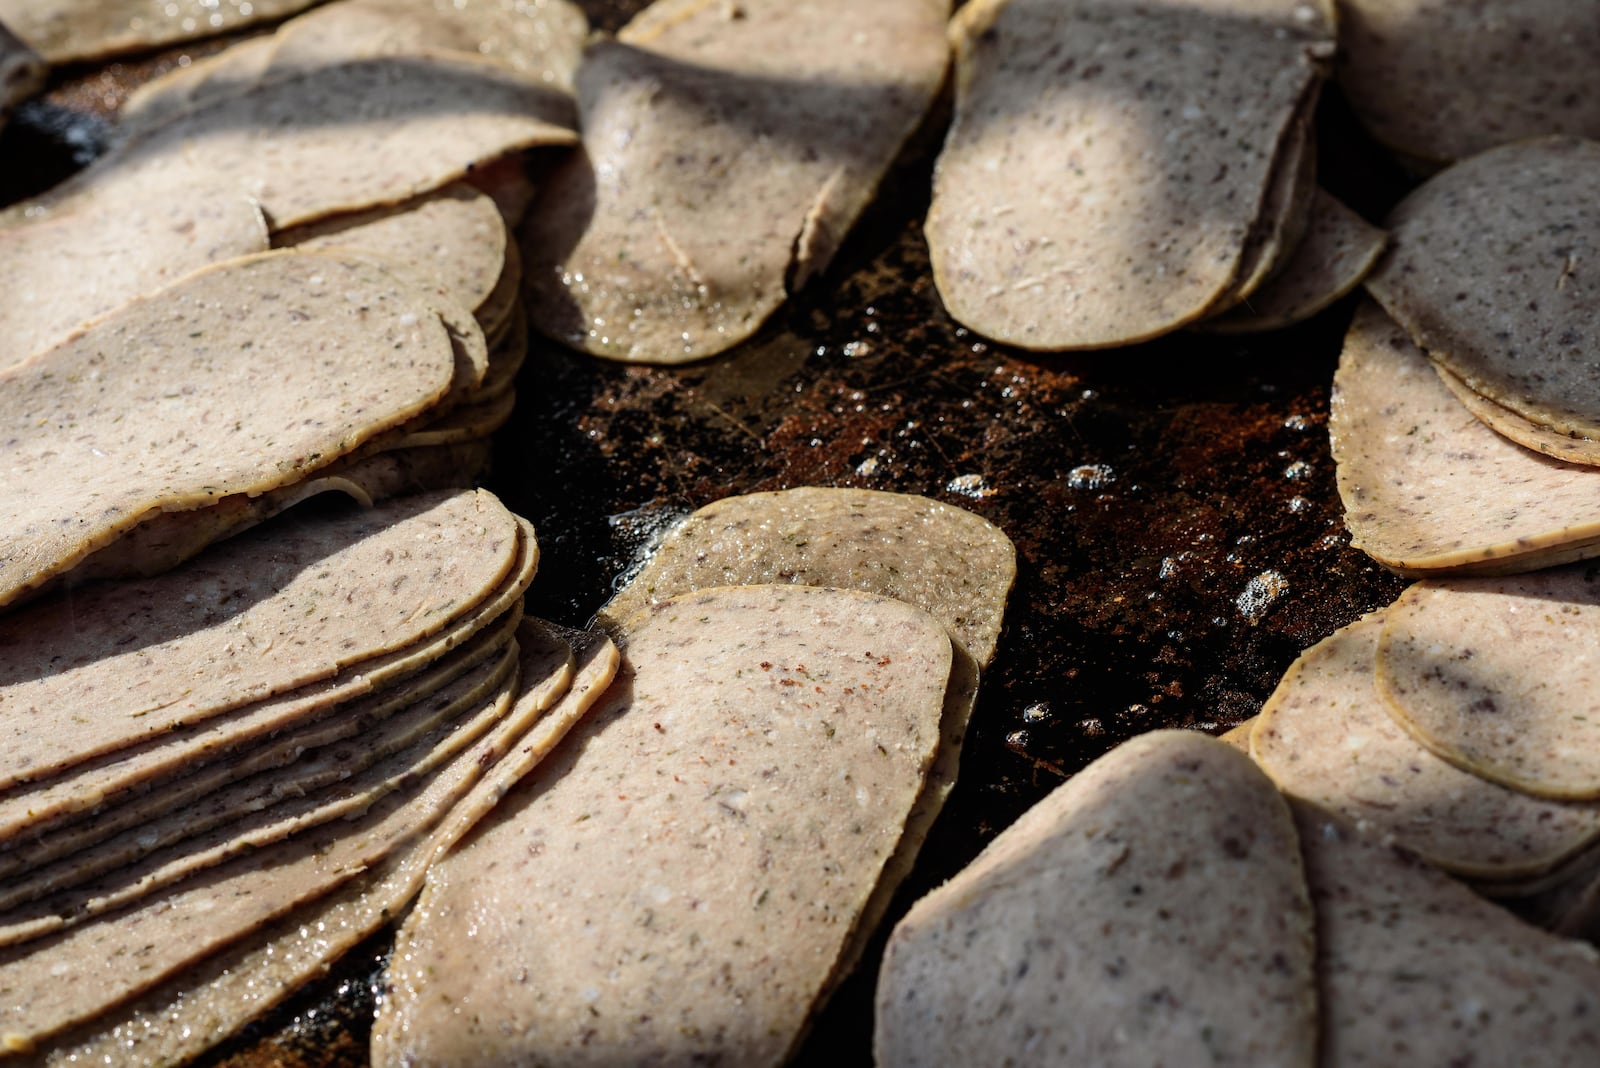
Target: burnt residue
<point>1179,534</point>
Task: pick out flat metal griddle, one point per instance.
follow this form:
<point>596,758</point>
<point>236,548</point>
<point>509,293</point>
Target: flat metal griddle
<point>1173,504</point>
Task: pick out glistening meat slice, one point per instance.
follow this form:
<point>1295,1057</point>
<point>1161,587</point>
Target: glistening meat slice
<point>680,884</point>
<point>133,950</point>
<point>259,616</point>
<point>1326,735</point>
<point>1414,967</point>
<point>60,272</point>
<point>1500,676</point>
<point>239,379</point>
<point>1488,272</point>
<point>454,238</point>
<point>725,158</point>
<point>180,1019</point>
<point>137,769</point>
<point>1151,911</point>
<point>1427,488</point>
<point>72,31</point>
<point>954,565</point>
<point>1109,162</point>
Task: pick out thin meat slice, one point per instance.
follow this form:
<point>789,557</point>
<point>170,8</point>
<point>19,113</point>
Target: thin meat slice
<point>1111,170</point>
<point>1326,735</point>
<point>153,940</point>
<point>1412,966</point>
<point>724,161</point>
<point>1098,928</point>
<point>682,881</point>
<point>1427,488</point>
<point>239,379</point>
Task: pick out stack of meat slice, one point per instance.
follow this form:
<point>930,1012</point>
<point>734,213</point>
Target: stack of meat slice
<point>290,726</point>
<point>1464,422</point>
<point>1116,171</point>
<point>705,860</point>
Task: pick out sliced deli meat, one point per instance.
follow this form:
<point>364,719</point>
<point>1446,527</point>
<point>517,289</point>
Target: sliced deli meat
<point>139,767</point>
<point>1098,927</point>
<point>257,617</point>
<point>1500,676</point>
<point>1412,966</point>
<point>1109,163</point>
<point>1427,488</point>
<point>954,565</point>
<point>453,238</point>
<point>725,158</point>
<point>1338,250</point>
<point>157,938</point>
<point>1440,81</point>
<point>681,881</point>
<point>181,1018</point>
<point>240,379</point>
<point>1489,273</point>
<point>73,31</point>
<point>1326,735</point>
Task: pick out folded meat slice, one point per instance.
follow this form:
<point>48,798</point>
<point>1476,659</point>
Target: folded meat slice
<point>727,152</point>
<point>73,31</point>
<point>681,882</point>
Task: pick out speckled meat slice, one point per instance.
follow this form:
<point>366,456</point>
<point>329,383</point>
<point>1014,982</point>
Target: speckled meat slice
<point>1427,488</point>
<point>454,238</point>
<point>541,40</point>
<point>353,136</point>
<point>1510,423</point>
<point>1326,735</point>
<point>242,378</point>
<point>182,1018</point>
<point>409,746</point>
<point>1502,676</point>
<point>1152,911</point>
<point>1414,967</point>
<point>1440,81</point>
<point>168,539</point>
<point>1337,251</point>
<point>728,150</point>
<point>127,772</point>
<point>74,31</point>
<point>257,618</point>
<point>679,885</point>
<point>954,565</point>
<point>58,273</point>
<point>1110,162</point>
<point>1489,273</point>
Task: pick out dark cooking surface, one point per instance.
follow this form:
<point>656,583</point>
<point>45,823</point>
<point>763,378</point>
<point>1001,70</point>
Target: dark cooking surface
<point>1173,504</point>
